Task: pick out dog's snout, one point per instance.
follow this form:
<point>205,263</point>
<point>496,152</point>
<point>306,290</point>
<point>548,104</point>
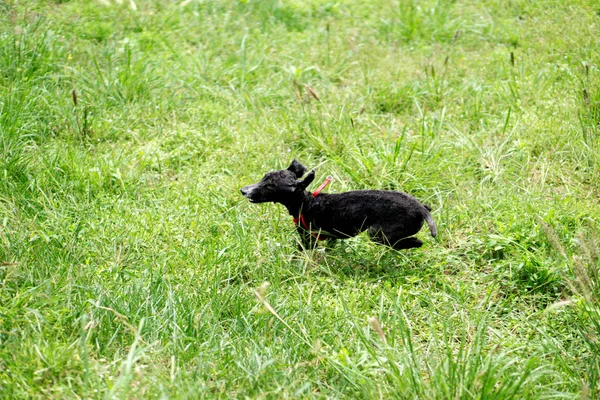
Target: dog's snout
<point>247,190</point>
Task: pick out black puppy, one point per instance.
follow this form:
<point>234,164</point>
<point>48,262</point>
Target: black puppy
<point>390,217</point>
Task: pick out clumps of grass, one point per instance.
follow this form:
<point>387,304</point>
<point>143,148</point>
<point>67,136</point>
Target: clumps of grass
<point>81,120</point>
<point>25,58</point>
<point>411,21</point>
<point>396,99</point>
<point>122,76</point>
<point>429,92</point>
<point>534,277</point>
<point>584,282</point>
<point>589,108</point>
<point>457,361</point>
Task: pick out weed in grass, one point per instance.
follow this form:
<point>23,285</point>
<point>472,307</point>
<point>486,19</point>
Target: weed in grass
<point>584,267</point>
<point>411,21</point>
<point>586,285</point>
<point>589,113</point>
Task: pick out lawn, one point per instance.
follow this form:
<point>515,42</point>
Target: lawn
<point>132,267</point>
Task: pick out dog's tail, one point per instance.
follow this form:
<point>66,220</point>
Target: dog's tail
<point>430,221</point>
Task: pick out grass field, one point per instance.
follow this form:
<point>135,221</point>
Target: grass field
<point>131,266</point>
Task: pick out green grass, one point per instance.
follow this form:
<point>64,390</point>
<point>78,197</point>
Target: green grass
<point>131,267</point>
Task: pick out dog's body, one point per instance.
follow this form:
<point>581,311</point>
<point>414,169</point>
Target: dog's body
<point>390,217</point>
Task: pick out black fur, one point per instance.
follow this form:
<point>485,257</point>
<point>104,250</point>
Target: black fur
<point>390,217</point>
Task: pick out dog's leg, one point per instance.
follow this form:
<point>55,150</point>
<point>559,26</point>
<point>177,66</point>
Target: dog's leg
<point>306,239</point>
<point>330,243</point>
<point>377,235</point>
<point>393,239</point>
<point>407,243</point>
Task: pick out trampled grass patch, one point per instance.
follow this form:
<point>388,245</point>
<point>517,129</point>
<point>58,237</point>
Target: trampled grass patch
<point>131,267</point>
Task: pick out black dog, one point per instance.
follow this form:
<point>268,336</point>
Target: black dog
<point>390,217</point>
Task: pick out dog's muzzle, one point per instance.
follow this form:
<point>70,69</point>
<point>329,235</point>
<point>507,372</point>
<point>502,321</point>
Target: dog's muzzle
<point>247,191</point>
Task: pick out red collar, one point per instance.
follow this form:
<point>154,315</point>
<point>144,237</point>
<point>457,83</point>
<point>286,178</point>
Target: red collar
<point>301,217</point>
<point>323,186</point>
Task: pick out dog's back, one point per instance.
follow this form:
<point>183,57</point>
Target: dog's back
<point>355,211</point>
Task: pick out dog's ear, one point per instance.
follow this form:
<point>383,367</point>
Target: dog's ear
<point>303,184</point>
<point>297,168</point>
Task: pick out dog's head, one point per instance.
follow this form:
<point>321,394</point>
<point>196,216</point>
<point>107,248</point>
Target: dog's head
<point>277,186</point>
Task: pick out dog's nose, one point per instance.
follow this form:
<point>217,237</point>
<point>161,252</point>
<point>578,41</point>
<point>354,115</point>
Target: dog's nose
<point>246,190</point>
